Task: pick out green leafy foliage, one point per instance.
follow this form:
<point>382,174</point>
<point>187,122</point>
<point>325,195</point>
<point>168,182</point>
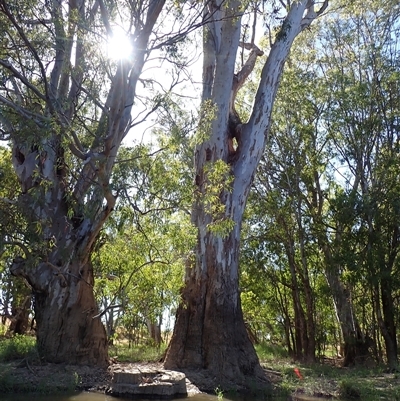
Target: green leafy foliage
<point>150,230</point>
<point>328,181</point>
<point>17,347</point>
<point>208,113</point>
<point>219,179</point>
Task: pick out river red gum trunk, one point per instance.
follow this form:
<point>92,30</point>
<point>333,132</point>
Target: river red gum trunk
<point>68,316</point>
<point>210,333</point>
<point>69,329</point>
<point>70,333</point>
<point>68,326</point>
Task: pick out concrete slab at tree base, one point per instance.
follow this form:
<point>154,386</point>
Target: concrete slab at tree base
<point>132,382</point>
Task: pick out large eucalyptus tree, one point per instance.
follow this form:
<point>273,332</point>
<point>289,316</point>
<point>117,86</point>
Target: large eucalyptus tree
<point>65,109</point>
<point>210,332</point>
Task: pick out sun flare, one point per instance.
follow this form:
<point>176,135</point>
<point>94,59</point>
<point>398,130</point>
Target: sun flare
<point>118,46</point>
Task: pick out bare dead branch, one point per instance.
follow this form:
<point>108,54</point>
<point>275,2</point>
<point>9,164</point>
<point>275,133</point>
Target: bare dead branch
<point>243,74</point>
<point>311,14</point>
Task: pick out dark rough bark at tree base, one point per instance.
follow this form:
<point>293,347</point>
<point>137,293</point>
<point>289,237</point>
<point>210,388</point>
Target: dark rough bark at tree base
<point>69,329</point>
<point>356,348</point>
<point>211,337</point>
<point>78,338</point>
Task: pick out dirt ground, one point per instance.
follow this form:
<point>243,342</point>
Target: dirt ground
<point>23,376</point>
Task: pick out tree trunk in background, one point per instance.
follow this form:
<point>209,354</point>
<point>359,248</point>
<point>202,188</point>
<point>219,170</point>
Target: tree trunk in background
<point>18,298</point>
<point>286,321</point>
<point>300,325</point>
<point>20,317</point>
<point>154,329</point>
<point>351,333</point>
<point>386,323</point>
<point>386,267</point>
<point>304,320</point>
<point>309,339</point>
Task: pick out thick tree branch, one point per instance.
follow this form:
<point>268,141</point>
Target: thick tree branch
<point>22,111</point>
<point>118,106</point>
<point>6,64</point>
<point>105,17</point>
<point>69,42</point>
<point>4,8</point>
<point>19,244</point>
<point>311,14</point>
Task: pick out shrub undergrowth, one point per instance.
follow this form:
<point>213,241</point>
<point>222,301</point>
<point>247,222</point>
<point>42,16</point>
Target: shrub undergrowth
<point>17,347</point>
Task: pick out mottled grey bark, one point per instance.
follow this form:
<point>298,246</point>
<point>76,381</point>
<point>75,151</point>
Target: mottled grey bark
<point>64,158</point>
<point>209,332</point>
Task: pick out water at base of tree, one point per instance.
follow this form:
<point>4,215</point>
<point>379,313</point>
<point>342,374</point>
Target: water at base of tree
<point>85,396</point>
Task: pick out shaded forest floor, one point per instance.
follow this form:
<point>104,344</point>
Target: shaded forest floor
<point>318,380</point>
<point>22,371</point>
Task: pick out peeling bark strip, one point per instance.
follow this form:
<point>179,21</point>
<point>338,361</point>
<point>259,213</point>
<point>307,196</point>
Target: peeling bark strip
<point>209,332</point>
<point>64,159</point>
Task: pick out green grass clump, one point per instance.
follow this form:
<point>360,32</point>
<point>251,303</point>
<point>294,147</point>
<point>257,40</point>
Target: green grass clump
<point>6,380</point>
<point>267,352</point>
<point>137,353</point>
<point>348,389</point>
<point>17,347</point>
<point>9,382</point>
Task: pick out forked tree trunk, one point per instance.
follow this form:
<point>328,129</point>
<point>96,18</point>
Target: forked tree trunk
<point>64,149</point>
<point>210,333</point>
<point>300,325</point>
<point>351,332</point>
<point>353,340</point>
<point>60,272</point>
